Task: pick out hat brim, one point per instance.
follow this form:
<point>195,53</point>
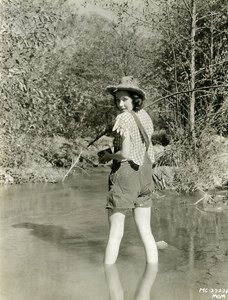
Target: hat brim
<point>112,89</point>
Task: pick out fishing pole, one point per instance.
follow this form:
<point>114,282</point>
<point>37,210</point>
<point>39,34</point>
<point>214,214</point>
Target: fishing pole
<point>108,129</point>
<point>76,161</point>
<point>163,98</point>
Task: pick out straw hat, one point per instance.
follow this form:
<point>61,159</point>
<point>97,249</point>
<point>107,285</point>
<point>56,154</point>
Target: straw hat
<point>127,83</point>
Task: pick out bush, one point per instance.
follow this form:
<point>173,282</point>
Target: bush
<point>199,166</point>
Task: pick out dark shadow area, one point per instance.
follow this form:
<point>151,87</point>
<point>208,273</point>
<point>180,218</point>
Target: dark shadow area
<point>50,233</point>
<point>58,235</point>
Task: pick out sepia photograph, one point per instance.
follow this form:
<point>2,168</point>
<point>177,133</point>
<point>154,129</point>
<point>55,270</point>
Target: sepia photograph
<point>113,149</point>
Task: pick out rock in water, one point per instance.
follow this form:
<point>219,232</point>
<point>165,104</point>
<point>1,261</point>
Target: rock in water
<point>162,245</point>
<point>215,203</point>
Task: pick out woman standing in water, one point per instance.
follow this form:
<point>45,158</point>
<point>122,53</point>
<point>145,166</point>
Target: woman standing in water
<point>130,180</point>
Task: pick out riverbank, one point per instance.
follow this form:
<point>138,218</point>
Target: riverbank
<point>176,167</point>
<point>49,159</point>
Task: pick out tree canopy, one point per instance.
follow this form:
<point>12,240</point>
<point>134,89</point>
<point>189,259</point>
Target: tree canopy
<point>56,63</point>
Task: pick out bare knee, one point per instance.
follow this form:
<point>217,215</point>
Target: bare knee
<point>116,235</point>
<point>116,227</point>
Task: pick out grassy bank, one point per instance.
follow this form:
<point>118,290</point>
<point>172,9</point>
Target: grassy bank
<point>34,159</point>
<point>201,165</point>
<point>38,159</point>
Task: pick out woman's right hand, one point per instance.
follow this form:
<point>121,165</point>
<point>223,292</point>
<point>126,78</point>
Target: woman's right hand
<point>104,157</point>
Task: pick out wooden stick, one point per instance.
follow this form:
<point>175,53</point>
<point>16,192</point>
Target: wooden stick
<point>186,92</point>
<point>97,138</point>
<point>198,201</point>
<point>201,211</point>
<point>89,160</point>
<point>83,170</point>
<point>165,98</point>
<point>72,166</point>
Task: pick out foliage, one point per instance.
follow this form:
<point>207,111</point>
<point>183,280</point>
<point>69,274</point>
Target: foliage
<point>169,71</point>
<point>56,63</point>
<point>46,86</point>
<point>46,89</point>
<point>210,62</point>
<point>163,60</point>
<point>200,166</point>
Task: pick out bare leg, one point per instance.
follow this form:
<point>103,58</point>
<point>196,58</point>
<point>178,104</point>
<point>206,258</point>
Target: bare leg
<point>142,220</point>
<point>116,230</point>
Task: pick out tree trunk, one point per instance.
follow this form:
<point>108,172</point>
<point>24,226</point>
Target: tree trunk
<point>193,50</point>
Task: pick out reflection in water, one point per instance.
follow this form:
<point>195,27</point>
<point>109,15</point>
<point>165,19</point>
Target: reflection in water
<point>114,284</point>
<point>144,286</point>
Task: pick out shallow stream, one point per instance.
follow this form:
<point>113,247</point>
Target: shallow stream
<point>53,238</point>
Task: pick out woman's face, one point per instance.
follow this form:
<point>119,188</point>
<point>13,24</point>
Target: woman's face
<point>123,101</point>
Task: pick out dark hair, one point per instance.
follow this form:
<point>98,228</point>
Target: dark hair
<point>137,100</point>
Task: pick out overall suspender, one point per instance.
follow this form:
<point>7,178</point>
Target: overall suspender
<point>141,129</point>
